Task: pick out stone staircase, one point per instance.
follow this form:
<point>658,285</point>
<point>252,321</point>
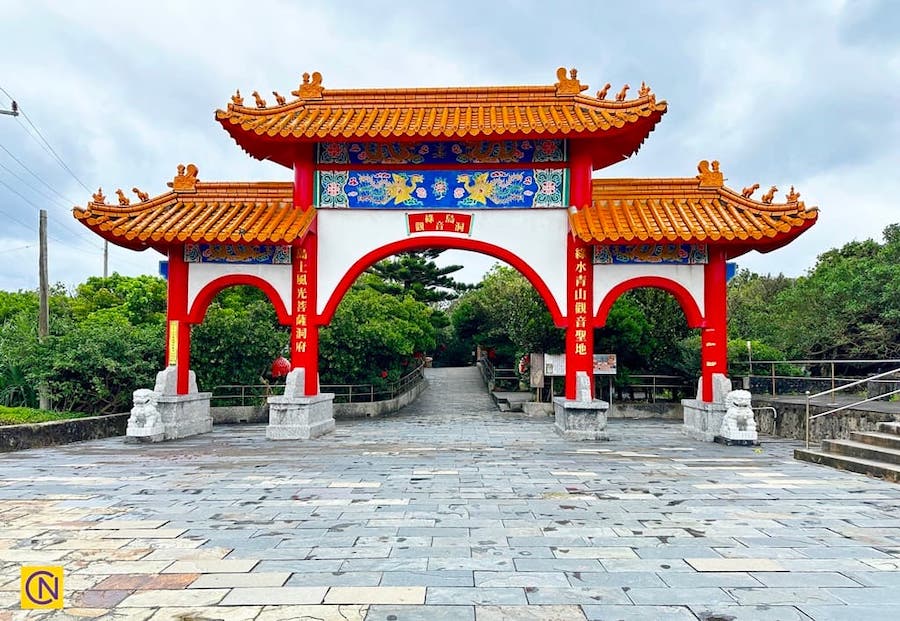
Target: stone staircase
<point>875,453</point>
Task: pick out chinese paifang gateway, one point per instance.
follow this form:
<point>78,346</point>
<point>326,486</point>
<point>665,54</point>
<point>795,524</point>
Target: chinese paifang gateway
<point>505,171</point>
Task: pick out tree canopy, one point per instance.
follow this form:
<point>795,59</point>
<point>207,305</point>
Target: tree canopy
<point>416,274</point>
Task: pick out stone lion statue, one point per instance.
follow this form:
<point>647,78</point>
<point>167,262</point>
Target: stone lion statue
<point>144,414</point>
<point>738,422</point>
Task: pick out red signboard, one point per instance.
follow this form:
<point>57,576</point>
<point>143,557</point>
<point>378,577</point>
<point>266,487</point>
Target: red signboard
<point>439,222</point>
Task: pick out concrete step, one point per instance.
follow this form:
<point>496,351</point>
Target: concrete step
<point>893,428</point>
<point>889,472</point>
<point>887,440</point>
<point>862,450</point>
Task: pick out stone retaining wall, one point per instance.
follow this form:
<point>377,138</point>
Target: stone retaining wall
<point>667,411</point>
<point>379,408</point>
<point>18,437</point>
<point>791,420</point>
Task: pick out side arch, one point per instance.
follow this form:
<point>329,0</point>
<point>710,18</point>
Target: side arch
<point>679,292</point>
<point>443,243</point>
<point>205,296</point>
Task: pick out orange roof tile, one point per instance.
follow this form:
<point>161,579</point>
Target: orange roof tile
<point>625,211</point>
<point>557,110</point>
<point>253,213</point>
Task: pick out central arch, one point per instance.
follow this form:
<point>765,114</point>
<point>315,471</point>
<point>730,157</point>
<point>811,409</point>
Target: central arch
<point>526,239</point>
<point>440,243</point>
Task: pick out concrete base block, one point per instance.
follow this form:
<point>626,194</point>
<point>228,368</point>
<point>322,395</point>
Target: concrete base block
<point>702,421</point>
<point>143,434</point>
<point>537,409</point>
<point>721,386</point>
<point>185,415</point>
<point>580,420</point>
<point>300,418</point>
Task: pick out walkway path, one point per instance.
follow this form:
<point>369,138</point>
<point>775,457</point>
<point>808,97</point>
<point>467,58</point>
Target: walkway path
<point>449,510</point>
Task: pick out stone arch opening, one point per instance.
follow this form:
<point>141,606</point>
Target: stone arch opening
<point>441,243</point>
<point>206,295</point>
<point>686,300</point>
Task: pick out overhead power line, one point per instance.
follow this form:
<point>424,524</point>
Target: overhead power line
<point>52,151</point>
<point>35,175</point>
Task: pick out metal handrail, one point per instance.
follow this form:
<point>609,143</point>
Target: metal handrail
<point>834,378</point>
<point>491,374</point>
<point>398,387</point>
<point>846,407</point>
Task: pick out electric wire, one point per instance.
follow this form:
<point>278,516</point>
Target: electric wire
<point>47,147</point>
<point>53,152</point>
<point>34,188</point>
<point>35,175</point>
<point>17,248</point>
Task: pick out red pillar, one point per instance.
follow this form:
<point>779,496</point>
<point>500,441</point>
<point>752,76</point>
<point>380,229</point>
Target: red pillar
<point>580,278</point>
<point>714,336</point>
<point>305,332</point>
<point>304,176</point>
<point>178,330</point>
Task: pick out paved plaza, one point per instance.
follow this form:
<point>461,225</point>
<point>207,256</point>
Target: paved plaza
<point>449,510</point>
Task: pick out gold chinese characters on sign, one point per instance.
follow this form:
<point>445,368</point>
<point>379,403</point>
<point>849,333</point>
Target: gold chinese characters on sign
<point>301,303</point>
<point>580,295</point>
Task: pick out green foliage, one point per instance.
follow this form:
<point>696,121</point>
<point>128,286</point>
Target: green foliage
<point>140,299</point>
<point>238,339</point>
<point>18,347</point>
<point>507,315</point>
<point>643,329</point>
<point>98,362</point>
<point>750,299</point>
<point>416,274</point>
<point>372,333</point>
<point>847,306</point>
<point>738,358</point>
<point>22,416</point>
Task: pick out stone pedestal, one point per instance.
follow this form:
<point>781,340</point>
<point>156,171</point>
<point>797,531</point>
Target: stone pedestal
<point>721,386</point>
<point>300,418</point>
<point>580,420</point>
<point>185,415</point>
<point>702,421</point>
<point>296,416</point>
<point>162,414</point>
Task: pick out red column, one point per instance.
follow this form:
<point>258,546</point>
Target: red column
<point>305,332</point>
<point>304,176</point>
<point>580,278</point>
<point>178,330</point>
<point>714,336</point>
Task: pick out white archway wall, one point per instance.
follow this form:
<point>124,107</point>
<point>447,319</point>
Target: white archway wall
<point>607,277</point>
<point>201,274</point>
<point>536,236</point>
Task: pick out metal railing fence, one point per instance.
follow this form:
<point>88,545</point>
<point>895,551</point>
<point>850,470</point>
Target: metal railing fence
<point>848,406</point>
<point>815,375</point>
<point>256,394</point>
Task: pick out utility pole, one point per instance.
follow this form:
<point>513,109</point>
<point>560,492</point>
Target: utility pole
<point>43,304</point>
<point>105,258</point>
<point>13,112</point>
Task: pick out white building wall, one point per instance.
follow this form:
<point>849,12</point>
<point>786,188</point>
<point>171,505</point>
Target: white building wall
<point>607,277</point>
<point>201,274</point>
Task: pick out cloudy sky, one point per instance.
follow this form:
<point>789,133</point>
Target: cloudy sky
<point>782,93</point>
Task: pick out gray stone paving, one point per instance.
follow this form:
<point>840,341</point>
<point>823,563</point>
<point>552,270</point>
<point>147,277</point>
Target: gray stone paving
<point>449,510</point>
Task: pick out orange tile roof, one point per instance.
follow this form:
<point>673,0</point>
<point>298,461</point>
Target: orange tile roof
<point>254,213</point>
<point>698,209</point>
<point>438,113</point>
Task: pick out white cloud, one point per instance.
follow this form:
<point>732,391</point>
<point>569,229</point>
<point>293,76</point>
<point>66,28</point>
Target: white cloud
<point>780,93</point>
